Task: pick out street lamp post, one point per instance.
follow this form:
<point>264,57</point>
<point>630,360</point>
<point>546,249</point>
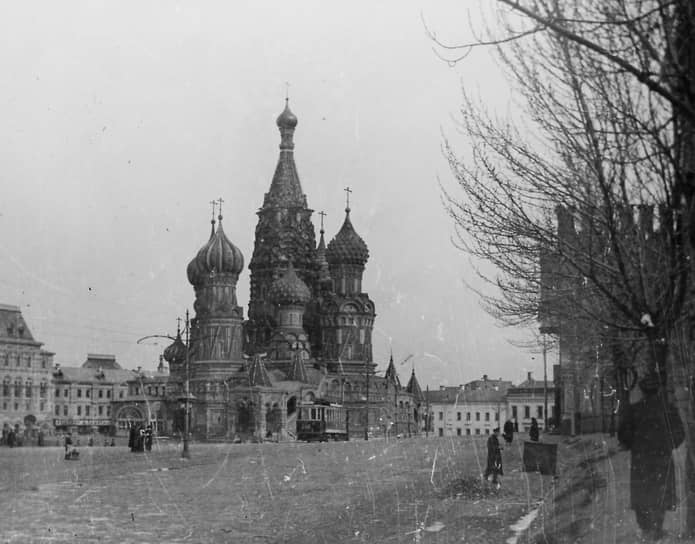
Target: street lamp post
<point>185,454</point>
<point>185,451</point>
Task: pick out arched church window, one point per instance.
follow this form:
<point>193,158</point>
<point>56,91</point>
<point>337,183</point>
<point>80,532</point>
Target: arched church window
<point>18,388</point>
<point>28,389</point>
<point>42,390</point>
<point>6,387</point>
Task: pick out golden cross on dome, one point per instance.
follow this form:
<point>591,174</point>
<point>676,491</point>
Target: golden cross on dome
<point>220,201</point>
<point>322,214</point>
<point>348,191</point>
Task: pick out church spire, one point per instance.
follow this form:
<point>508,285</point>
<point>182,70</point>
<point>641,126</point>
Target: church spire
<point>285,189</point>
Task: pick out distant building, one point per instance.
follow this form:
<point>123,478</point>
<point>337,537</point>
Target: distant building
<point>101,397</point>
<point>26,401</point>
<point>475,408</point>
<point>527,400</point>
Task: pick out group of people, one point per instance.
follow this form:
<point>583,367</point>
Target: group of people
<point>140,438</point>
<point>494,451</point>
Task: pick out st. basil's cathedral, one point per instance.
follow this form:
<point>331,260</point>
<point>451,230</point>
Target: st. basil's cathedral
<point>309,329</point>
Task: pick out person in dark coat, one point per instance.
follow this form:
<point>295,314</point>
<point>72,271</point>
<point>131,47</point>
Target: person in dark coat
<point>508,433</point>
<point>494,458</point>
<point>534,431</point>
<point>651,429</point>
<point>148,438</point>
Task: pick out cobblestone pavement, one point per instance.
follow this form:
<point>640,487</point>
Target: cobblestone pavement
<point>410,490</point>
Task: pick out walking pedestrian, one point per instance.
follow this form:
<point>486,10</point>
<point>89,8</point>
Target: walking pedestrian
<point>494,458</point>
<point>534,431</point>
<point>651,429</point>
<point>508,433</point>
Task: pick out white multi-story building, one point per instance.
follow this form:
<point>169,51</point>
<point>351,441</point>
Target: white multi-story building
<point>475,408</point>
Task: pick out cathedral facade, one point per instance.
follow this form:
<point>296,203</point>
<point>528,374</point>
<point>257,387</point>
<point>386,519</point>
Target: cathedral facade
<point>308,334</point>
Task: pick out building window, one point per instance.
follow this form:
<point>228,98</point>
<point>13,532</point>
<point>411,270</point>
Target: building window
<point>42,406</point>
<point>43,363</point>
<point>149,390</point>
<point>468,416</point>
<point>441,431</point>
<point>18,388</point>
<point>477,431</point>
<point>497,416</point>
<point>514,415</point>
<point>57,393</point>
<point>487,431</point>
<point>65,393</point>
<point>458,431</point>
<point>361,336</point>
<point>79,393</point>
<point>477,416</point>
<point>108,411</point>
<point>458,416</point>
<point>28,361</point>
<point>468,432</point>
<point>57,410</point>
<point>6,388</point>
<point>101,393</point>
<point>79,410</point>
<point>28,389</point>
<point>539,412</point>
<point>86,410</point>
<point>43,388</point>
<point>487,416</point>
<point>16,406</point>
<point>441,416</point>
<point>101,410</point>
<point>87,392</point>
<point>65,410</point>
<point>137,390</point>
<point>527,412</point>
<point>108,393</point>
<point>120,394</point>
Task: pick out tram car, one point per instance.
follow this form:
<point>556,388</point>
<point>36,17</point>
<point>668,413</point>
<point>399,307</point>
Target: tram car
<point>321,421</point>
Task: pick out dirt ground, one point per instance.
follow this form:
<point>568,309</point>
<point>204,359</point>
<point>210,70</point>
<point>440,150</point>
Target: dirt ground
<point>409,490</point>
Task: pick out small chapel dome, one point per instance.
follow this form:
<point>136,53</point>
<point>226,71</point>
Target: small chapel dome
<point>175,353</point>
<point>287,119</point>
<point>289,289</point>
<point>218,256</point>
<point>347,247</point>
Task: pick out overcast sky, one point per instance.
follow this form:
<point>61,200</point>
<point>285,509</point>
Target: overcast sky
<point>120,121</point>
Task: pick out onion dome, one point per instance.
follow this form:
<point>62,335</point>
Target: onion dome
<point>289,289</point>
<point>175,353</point>
<point>347,247</point>
<point>287,119</point>
<point>218,256</point>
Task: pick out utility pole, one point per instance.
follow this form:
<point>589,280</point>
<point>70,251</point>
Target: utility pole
<point>427,412</point>
<point>185,454</point>
<point>366,425</point>
<point>545,384</point>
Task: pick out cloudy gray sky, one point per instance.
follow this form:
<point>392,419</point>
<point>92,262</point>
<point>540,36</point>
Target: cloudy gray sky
<point>120,121</point>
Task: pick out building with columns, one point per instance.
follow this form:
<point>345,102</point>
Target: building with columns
<point>309,329</point>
